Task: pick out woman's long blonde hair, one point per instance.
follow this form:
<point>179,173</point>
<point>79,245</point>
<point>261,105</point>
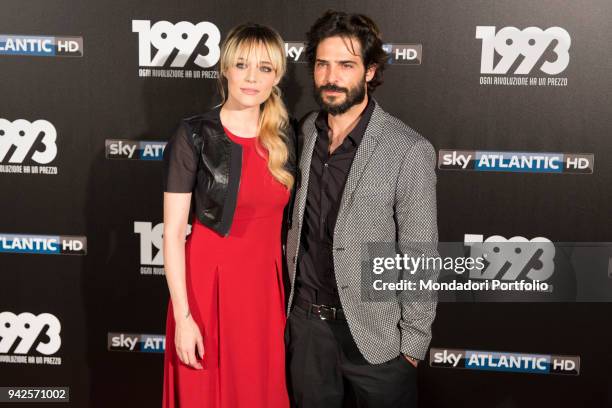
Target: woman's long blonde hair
<point>273,118</point>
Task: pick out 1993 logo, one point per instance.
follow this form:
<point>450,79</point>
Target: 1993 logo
<point>25,329</point>
<point>182,40</point>
<point>509,259</point>
<point>527,48</point>
<point>151,239</point>
<point>22,141</point>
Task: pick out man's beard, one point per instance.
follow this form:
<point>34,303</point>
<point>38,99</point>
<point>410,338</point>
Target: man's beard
<point>353,97</point>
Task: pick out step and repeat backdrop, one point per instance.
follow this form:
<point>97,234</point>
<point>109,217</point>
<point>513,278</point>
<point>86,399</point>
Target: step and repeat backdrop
<point>514,95</point>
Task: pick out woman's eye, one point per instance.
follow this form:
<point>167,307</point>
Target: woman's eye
<point>266,69</point>
<point>240,65</point>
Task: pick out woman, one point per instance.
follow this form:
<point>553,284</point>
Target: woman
<point>224,332</point>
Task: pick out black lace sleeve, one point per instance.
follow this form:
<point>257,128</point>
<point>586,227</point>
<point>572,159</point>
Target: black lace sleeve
<point>180,162</point>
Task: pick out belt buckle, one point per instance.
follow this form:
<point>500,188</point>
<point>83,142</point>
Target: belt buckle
<point>321,309</point>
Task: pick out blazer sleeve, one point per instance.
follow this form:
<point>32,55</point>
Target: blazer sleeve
<point>417,235</point>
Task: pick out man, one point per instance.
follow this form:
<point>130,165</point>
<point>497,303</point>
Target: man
<point>366,178</point>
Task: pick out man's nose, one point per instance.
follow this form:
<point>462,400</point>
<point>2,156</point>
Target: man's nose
<point>331,75</point>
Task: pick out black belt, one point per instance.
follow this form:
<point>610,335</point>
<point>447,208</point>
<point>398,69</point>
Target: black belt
<point>323,312</point>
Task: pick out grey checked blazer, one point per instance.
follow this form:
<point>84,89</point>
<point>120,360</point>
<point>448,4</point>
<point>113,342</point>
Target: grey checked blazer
<point>389,196</point>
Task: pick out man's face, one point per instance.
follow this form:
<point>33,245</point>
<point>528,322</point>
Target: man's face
<point>339,75</point>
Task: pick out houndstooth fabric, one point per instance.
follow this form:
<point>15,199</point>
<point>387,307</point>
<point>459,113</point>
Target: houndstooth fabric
<point>389,196</point>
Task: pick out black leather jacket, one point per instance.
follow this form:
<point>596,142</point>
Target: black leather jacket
<point>219,169</point>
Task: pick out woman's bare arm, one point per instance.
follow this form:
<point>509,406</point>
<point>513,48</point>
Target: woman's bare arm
<point>187,336</point>
<point>176,212</point>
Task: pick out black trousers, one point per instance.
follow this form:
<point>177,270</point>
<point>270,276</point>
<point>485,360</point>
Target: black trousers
<point>327,370</point>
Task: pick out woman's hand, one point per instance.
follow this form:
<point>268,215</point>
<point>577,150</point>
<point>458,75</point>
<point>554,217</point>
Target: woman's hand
<point>187,339</point>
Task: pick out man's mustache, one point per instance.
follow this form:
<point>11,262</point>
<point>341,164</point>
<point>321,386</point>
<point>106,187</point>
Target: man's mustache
<point>332,87</point>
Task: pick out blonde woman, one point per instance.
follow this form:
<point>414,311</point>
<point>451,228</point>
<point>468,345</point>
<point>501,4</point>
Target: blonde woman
<point>224,331</point>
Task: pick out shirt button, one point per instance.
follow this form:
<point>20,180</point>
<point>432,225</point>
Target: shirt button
<point>326,165</point>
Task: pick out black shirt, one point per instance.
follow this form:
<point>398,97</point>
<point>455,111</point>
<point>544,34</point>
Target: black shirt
<point>315,279</point>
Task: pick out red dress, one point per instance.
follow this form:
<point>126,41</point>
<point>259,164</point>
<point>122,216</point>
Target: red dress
<point>235,293</point>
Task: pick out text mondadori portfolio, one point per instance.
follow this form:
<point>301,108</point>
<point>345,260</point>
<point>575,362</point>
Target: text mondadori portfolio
<point>493,284</point>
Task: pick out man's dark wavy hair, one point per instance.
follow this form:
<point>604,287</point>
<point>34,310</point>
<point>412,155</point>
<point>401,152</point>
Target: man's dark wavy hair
<point>345,25</point>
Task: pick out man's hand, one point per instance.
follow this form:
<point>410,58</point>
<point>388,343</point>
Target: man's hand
<point>411,360</point>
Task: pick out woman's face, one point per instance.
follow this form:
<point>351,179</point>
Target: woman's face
<point>251,78</point>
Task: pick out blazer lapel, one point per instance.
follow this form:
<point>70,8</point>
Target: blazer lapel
<point>310,137</point>
<point>362,157</point>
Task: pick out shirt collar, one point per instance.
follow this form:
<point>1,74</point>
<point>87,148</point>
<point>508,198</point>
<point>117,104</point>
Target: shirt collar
<point>358,131</point>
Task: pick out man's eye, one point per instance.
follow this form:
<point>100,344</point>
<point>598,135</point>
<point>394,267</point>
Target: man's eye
<point>347,65</point>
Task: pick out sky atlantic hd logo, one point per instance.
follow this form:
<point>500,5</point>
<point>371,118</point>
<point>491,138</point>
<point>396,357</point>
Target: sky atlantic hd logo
<point>135,149</point>
<point>502,361</point>
<point>41,46</point>
<point>27,147</point>
<point>193,47</point>
<point>144,343</point>
<point>404,54</point>
<point>528,57</point>
<point>399,54</point>
<point>295,51</point>
<point>516,162</point>
<point>43,244</point>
